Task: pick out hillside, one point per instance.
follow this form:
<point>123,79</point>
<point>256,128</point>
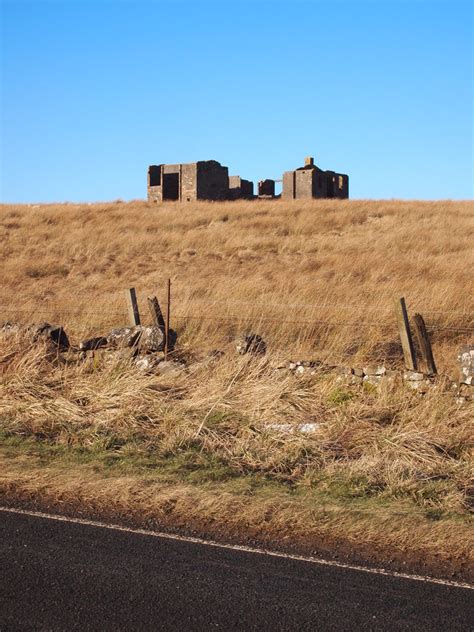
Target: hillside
<point>312,277</point>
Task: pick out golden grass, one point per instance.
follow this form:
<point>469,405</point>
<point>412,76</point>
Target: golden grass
<point>262,264</point>
<point>385,470</point>
<point>387,443</point>
<point>313,277</point>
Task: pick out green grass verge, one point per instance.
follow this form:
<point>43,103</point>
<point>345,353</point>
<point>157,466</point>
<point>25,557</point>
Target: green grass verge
<point>194,467</point>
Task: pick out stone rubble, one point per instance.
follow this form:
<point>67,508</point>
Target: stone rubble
<point>373,375</point>
<point>146,338</point>
<point>144,347</point>
<point>304,428</point>
<point>464,390</point>
<point>10,329</point>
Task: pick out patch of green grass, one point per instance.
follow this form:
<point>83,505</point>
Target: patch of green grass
<point>339,396</point>
<point>196,467</point>
<point>369,388</point>
<point>346,487</point>
<point>191,464</point>
<point>217,417</point>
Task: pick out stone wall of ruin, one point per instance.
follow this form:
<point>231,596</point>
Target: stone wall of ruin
<point>266,188</point>
<point>240,188</point>
<point>212,181</point>
<point>189,180</point>
<point>288,188</point>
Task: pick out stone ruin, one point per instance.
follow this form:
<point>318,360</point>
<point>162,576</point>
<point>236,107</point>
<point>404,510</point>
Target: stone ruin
<point>312,182</point>
<point>266,188</point>
<point>209,180</point>
<point>203,180</point>
<point>240,189</point>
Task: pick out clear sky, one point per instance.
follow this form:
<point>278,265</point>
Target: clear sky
<point>95,91</point>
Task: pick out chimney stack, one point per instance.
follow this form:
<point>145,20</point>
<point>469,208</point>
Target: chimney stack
<point>309,161</point>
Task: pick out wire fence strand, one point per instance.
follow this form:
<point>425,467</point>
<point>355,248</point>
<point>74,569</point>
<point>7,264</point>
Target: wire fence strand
<point>280,305</point>
<point>254,318</point>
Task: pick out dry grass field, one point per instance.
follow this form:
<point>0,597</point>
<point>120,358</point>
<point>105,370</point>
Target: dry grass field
<point>317,277</point>
<point>385,468</point>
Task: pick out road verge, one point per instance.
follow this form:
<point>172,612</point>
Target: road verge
<point>246,510</point>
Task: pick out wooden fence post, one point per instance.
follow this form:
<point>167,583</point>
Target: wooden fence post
<point>167,323</point>
<point>424,343</point>
<point>156,313</point>
<point>405,335</point>
<point>132,303</point>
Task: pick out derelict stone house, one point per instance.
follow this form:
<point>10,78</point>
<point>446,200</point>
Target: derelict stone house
<point>312,182</point>
<point>203,180</point>
<point>266,188</point>
<point>240,188</point>
<point>209,180</point>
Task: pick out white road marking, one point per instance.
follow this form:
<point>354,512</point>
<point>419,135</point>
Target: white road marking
<point>237,547</point>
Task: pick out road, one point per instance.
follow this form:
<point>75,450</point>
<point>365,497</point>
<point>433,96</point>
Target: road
<point>57,575</point>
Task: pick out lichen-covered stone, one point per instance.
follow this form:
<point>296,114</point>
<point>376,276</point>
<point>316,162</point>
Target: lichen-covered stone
<point>146,338</point>
<point>374,370</point>
<point>413,376</point>
<point>10,329</point>
<point>466,364</point>
<point>147,363</point>
<point>124,336</point>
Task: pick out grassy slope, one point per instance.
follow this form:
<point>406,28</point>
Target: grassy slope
<point>385,468</point>
<point>263,262</point>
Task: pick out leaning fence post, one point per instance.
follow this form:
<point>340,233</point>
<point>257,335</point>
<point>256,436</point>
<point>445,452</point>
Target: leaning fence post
<point>132,303</point>
<point>424,343</point>
<point>156,313</point>
<point>405,335</point>
<point>167,323</point>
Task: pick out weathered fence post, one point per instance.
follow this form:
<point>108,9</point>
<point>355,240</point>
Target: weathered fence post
<point>156,313</point>
<point>167,323</point>
<point>424,343</point>
<point>132,303</point>
<point>405,335</point>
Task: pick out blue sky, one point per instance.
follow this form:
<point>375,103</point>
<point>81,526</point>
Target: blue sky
<point>94,91</point>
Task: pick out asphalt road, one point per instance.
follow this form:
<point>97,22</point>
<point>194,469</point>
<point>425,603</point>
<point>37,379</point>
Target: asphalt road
<point>68,576</point>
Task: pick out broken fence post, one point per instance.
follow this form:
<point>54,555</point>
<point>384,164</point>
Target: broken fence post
<point>167,323</point>
<point>132,303</point>
<point>424,343</point>
<point>405,335</point>
<point>156,313</point>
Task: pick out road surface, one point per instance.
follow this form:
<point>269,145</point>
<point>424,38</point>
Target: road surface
<point>58,575</point>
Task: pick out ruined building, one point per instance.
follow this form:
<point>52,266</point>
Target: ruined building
<point>312,182</point>
<point>240,188</point>
<point>209,180</point>
<point>203,180</point>
<point>266,188</point>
